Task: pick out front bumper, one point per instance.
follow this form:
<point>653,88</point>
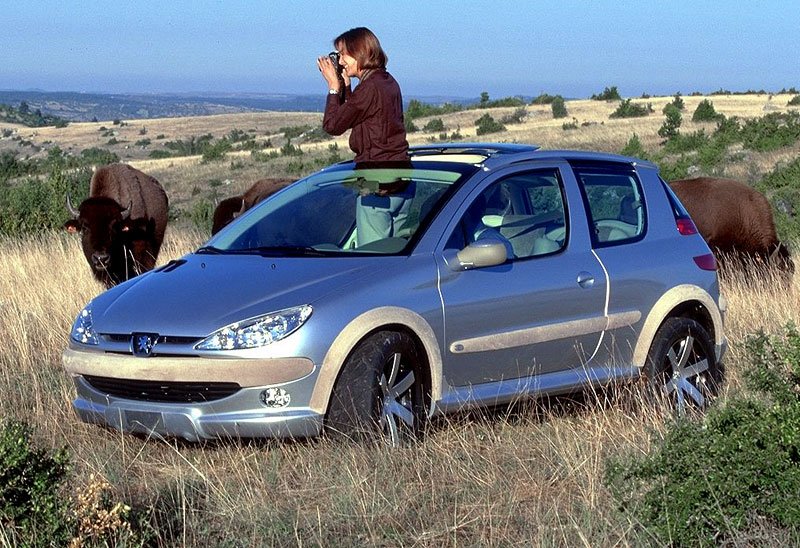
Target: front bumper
<point>240,415</point>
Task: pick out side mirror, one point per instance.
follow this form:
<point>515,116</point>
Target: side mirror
<point>480,254</point>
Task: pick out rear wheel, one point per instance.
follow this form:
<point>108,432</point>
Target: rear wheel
<point>380,391</point>
<point>682,366</point>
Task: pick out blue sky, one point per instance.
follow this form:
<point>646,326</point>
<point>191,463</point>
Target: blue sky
<point>573,48</point>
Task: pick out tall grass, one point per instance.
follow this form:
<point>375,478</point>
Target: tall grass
<point>530,474</point>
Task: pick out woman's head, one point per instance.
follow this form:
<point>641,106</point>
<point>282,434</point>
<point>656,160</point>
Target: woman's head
<point>361,45</point>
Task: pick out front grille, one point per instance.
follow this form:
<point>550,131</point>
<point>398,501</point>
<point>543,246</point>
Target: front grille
<point>162,340</point>
<point>163,391</point>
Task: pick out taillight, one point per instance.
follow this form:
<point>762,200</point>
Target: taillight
<point>685,226</point>
<point>706,262</point>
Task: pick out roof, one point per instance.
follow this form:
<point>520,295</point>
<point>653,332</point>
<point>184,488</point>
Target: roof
<point>476,153</point>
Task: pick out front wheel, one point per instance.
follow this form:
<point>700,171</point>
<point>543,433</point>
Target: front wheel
<point>380,390</point>
<point>682,365</point>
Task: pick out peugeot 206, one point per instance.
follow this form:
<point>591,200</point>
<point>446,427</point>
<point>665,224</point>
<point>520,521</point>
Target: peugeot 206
<point>371,298</point>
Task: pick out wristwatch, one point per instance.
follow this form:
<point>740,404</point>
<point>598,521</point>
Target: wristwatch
<point>333,91</point>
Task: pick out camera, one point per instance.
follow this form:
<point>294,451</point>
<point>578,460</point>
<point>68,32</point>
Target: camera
<point>334,57</point>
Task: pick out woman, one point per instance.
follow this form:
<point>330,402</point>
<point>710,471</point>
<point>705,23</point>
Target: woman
<point>374,111</point>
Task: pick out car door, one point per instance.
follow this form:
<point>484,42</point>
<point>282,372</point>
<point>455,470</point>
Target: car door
<point>542,311</point>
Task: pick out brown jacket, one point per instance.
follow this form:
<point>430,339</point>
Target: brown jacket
<point>374,111</point>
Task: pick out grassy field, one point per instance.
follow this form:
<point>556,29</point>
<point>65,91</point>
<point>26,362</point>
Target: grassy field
<point>531,474</point>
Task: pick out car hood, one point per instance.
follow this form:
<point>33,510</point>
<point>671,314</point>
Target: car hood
<point>198,294</point>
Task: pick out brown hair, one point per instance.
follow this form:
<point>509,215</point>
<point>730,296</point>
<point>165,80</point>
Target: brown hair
<point>364,47</point>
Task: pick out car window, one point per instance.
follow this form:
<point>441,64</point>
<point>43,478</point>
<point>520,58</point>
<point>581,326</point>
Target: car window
<point>525,211</point>
<point>345,211</point>
<point>614,203</point>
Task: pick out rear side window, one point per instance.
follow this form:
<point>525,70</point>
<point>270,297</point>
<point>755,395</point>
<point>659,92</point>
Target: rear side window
<point>614,203</point>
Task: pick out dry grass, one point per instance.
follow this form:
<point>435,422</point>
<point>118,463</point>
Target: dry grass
<point>530,475</point>
<point>526,475</point>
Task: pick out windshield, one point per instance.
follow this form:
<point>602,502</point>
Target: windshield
<point>345,211</point>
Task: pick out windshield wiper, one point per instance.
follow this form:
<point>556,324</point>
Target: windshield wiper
<point>280,251</point>
<point>210,250</point>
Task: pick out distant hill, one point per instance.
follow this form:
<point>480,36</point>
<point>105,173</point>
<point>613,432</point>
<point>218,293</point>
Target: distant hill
<point>86,107</point>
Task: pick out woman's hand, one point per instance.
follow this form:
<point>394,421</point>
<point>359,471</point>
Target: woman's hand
<point>331,74</point>
<point>328,71</point>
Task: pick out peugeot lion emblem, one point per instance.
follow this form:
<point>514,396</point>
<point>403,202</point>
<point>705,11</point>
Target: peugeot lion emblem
<point>142,344</point>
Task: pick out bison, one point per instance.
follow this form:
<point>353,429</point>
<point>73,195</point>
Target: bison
<point>122,222</point>
<point>735,220</point>
<point>227,210</point>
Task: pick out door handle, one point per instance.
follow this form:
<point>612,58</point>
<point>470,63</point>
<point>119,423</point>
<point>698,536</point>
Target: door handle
<point>585,279</point>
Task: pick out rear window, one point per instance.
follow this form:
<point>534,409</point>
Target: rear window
<point>614,203</point>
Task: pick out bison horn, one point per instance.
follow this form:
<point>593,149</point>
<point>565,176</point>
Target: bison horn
<point>75,213</point>
<point>242,209</point>
<point>127,211</point>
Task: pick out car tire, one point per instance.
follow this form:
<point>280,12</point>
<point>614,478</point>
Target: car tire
<point>380,392</point>
<point>682,365</point>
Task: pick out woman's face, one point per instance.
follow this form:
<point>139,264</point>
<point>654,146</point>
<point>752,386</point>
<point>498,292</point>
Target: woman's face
<point>350,64</point>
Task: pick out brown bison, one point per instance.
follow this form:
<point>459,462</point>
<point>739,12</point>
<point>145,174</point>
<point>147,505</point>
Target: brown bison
<point>227,210</point>
<point>122,222</point>
<point>735,220</point>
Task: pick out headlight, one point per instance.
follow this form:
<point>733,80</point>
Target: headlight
<point>258,331</point>
<point>82,329</point>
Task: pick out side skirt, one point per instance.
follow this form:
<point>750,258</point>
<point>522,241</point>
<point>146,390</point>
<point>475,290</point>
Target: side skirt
<point>550,384</point>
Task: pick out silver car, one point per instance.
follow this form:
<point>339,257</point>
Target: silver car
<point>370,298</point>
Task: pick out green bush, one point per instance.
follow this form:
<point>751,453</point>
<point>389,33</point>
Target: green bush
<point>39,203</point>
<point>434,125</point>
<point>634,148</point>
<point>685,143</point>
<point>201,214</point>
<point>217,151</point>
<point>672,122</point>
<point>33,510</point>
<point>705,112</point>
<point>544,99</point>
<point>558,107</point>
<point>782,188</point>
<point>709,481</point>
<point>794,101</point>
<point>418,109</point>
<point>628,109</point>
<point>771,132</point>
<point>609,94</point>
<point>486,124</point>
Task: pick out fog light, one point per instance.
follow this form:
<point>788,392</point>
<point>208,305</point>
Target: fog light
<point>275,397</point>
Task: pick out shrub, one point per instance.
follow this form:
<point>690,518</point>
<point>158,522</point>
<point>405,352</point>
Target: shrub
<point>771,132</point>
<point>566,126</point>
<point>39,203</point>
<point>33,511</point>
<point>628,109</point>
<point>434,125</point>
<point>544,99</point>
<point>677,102</point>
<point>486,124</point>
<point>608,94</point>
<point>708,481</point>
<point>782,189</point>
<point>201,214</point>
<point>634,148</point>
<point>558,107</point>
<point>418,109</point>
<point>217,151</point>
<point>158,154</point>
<point>515,117</point>
<point>705,112</point>
<point>685,143</point>
<point>672,122</point>
<point>794,101</point>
